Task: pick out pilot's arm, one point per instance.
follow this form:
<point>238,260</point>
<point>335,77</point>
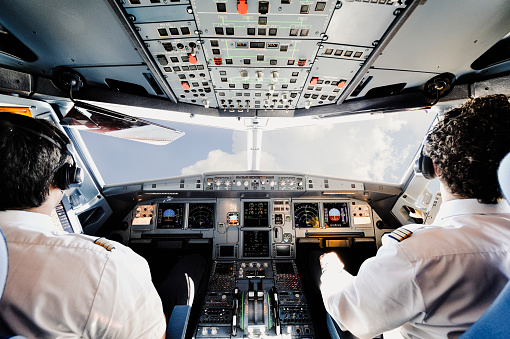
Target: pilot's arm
<point>126,304</point>
<point>383,296</point>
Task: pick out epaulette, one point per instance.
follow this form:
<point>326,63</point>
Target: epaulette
<point>400,234</point>
<point>103,242</point>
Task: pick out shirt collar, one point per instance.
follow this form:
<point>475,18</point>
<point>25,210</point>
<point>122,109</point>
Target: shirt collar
<point>458,207</point>
<point>31,221</point>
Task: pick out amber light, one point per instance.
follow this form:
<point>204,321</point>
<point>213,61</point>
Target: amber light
<point>17,110</point>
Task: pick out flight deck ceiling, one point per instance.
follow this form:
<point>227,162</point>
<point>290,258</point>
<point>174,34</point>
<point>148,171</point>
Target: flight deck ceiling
<point>253,58</point>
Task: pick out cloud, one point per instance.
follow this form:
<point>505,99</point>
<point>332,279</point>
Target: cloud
<point>373,150</point>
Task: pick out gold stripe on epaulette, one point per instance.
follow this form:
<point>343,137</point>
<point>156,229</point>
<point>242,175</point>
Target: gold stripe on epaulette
<point>103,242</point>
<point>400,234</point>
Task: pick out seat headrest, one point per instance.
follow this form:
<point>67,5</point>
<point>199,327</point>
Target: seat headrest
<point>504,177</point>
<point>4,262</point>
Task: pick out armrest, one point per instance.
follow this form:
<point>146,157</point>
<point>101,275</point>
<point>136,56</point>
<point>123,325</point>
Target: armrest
<point>178,322</point>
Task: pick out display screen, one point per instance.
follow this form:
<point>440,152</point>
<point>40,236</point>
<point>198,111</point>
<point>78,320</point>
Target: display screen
<point>256,244</point>
<point>227,251</point>
<point>284,268</point>
<point>283,250</point>
<point>306,214</point>
<point>201,215</point>
<point>256,214</point>
<point>170,215</point>
<point>336,214</point>
<point>224,268</point>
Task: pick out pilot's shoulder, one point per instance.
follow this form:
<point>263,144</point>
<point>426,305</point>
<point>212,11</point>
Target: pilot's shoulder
<point>405,232</point>
<point>100,244</point>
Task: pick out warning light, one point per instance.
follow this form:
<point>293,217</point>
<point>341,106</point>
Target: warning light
<point>242,6</point>
<point>192,59</point>
<point>17,110</point>
<point>341,84</point>
<point>185,85</point>
<point>313,82</point>
<point>301,62</point>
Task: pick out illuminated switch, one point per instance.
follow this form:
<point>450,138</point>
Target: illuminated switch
<point>185,84</point>
<point>242,6</point>
<point>341,84</point>
<point>313,82</point>
<point>192,59</point>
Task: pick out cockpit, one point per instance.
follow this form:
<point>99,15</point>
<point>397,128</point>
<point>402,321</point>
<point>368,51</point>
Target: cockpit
<point>254,133</point>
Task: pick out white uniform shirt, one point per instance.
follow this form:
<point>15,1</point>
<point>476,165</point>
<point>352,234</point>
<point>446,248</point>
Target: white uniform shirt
<point>63,285</point>
<point>434,284</point>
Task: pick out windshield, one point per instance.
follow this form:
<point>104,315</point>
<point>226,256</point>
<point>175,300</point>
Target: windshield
<point>366,147</point>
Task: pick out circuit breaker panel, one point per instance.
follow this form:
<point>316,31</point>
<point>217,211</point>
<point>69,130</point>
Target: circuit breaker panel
<point>237,55</point>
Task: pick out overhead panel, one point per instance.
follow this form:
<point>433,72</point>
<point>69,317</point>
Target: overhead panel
<point>244,55</point>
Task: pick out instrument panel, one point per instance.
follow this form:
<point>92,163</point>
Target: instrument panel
<point>252,228</point>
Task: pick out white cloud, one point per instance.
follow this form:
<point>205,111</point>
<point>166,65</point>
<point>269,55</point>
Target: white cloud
<point>217,160</point>
<point>375,150</point>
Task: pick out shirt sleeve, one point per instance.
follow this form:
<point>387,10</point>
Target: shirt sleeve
<point>383,296</point>
<point>126,304</point>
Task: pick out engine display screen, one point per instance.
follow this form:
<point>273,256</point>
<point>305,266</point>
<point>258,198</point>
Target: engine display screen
<point>256,214</point>
<point>256,244</point>
<point>336,214</point>
<point>170,215</point>
<point>201,215</point>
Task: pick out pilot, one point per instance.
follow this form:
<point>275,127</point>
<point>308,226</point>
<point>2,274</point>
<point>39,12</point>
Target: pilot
<point>434,281</point>
<point>61,284</point>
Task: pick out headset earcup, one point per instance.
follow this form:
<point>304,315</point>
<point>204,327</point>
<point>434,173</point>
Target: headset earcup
<point>62,176</point>
<point>427,167</point>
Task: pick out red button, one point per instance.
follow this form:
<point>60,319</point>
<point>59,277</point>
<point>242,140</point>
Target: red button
<point>242,7</point>
<point>313,82</point>
<point>185,85</point>
<point>341,84</point>
<point>192,59</point>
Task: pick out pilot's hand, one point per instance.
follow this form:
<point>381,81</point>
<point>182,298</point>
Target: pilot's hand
<point>330,261</point>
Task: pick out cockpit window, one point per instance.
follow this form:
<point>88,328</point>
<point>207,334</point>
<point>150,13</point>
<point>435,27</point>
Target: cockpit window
<point>366,147</point>
<point>379,148</point>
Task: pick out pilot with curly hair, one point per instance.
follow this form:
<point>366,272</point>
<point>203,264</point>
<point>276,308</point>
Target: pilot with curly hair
<point>435,281</point>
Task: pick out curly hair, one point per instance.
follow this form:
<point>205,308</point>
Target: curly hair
<point>468,144</point>
<point>29,161</point>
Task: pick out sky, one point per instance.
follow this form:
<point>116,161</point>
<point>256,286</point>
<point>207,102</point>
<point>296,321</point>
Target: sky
<point>369,150</point>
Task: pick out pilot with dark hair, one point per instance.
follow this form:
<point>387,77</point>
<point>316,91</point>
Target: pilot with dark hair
<point>62,284</point>
<point>435,281</point>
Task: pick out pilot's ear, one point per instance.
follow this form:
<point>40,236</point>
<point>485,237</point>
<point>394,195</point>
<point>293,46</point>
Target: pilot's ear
<point>437,171</point>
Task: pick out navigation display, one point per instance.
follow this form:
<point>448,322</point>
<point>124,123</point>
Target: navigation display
<point>170,215</point>
<point>306,214</point>
<point>256,244</point>
<point>201,215</point>
<point>336,214</point>
<point>256,214</point>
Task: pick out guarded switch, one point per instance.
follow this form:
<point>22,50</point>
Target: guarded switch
<point>185,84</point>
<point>242,6</point>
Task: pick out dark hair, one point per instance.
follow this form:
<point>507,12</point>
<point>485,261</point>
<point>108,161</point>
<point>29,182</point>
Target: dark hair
<point>468,145</point>
<point>28,161</point>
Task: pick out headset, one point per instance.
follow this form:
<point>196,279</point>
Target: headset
<point>424,165</point>
<point>68,175</point>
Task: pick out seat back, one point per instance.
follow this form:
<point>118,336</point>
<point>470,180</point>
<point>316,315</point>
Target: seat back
<point>494,323</point>
<point>4,262</point>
